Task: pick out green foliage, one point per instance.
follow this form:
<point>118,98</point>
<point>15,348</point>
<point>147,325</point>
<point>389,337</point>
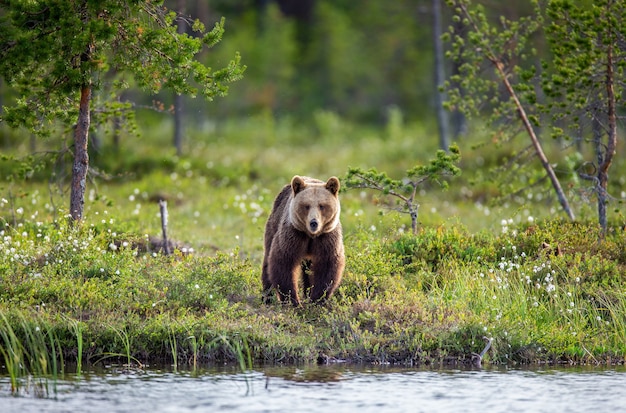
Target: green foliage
<point>585,42</point>
<point>434,247</point>
<point>474,48</point>
<point>51,48</point>
<point>367,264</point>
<point>580,37</point>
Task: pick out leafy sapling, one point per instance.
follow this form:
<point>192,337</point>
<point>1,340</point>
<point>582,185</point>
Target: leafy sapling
<point>405,189</point>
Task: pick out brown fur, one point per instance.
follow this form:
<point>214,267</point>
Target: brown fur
<point>304,230</point>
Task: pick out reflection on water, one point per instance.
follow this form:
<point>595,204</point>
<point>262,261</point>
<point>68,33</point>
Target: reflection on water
<point>310,374</point>
<point>336,388</point>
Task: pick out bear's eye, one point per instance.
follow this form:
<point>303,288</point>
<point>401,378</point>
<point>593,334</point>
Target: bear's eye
<point>321,207</point>
<point>306,207</point>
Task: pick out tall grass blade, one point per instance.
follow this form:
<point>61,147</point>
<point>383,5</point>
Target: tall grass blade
<point>194,349</point>
<point>77,328</point>
<point>12,353</point>
<point>241,351</point>
<point>126,342</point>
<point>173,347</point>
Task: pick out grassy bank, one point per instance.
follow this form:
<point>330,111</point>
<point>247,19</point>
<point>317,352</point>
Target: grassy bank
<point>544,292</point>
<point>543,289</point>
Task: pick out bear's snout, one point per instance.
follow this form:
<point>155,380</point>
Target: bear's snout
<point>313,224</point>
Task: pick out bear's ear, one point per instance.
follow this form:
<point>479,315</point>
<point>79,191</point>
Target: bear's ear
<point>297,184</point>
<point>333,185</point>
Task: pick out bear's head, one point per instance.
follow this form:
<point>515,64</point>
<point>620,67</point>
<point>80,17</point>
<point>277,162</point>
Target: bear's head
<point>314,207</point>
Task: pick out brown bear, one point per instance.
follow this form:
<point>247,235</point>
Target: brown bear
<point>303,239</point>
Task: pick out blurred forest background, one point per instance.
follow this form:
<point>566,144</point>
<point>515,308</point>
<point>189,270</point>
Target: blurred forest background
<point>358,60</point>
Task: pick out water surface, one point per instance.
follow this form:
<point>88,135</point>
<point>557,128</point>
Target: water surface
<point>329,388</point>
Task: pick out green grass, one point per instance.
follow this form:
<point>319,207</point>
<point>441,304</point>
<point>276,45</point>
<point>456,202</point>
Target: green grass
<point>31,352</point>
<point>545,290</point>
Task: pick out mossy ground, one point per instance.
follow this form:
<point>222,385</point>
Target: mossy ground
<point>544,289</point>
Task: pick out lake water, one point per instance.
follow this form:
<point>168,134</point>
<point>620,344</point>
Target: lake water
<point>330,389</point>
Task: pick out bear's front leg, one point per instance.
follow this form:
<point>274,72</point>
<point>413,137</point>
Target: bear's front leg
<point>267,283</point>
<point>284,271</point>
<point>287,286</point>
<point>326,278</point>
<point>327,273</point>
<point>293,289</point>
<point>327,267</point>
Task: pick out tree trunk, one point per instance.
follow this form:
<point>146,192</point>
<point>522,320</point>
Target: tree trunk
<point>81,157</point>
<point>600,179</point>
<point>178,98</point>
<point>535,141</point>
<point>442,119</point>
<point>606,157</point>
<point>178,124</point>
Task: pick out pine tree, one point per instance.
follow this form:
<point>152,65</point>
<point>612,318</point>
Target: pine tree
<point>400,194</point>
<point>54,54</point>
<point>585,81</point>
